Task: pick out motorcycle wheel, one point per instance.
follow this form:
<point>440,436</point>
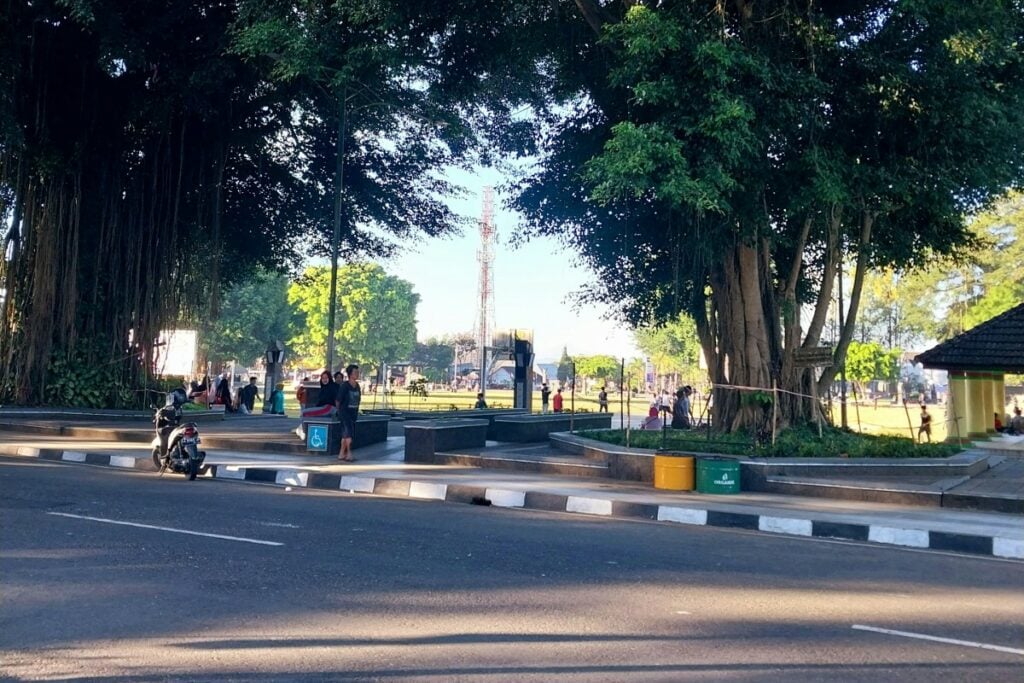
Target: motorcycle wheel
<point>191,463</point>
<point>157,464</point>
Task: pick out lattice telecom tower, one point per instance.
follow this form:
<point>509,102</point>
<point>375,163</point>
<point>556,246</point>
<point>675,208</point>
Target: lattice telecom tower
<point>485,285</point>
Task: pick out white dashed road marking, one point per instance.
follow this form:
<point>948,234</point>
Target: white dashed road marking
<point>163,528</point>
<point>937,639</point>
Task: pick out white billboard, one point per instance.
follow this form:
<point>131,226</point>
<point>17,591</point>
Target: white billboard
<point>176,353</point>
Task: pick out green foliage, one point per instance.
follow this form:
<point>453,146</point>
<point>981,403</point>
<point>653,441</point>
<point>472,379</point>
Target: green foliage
<point>758,399</point>
<point>418,388</point>
<point>899,308</point>
<point>998,265</point>
<point>253,312</point>
<point>867,362</point>
<point>600,367</point>
<point>77,382</point>
<point>564,371</point>
<point>672,347</point>
<point>435,358</point>
<point>376,317</point>
<point>951,295</point>
<point>801,442</point>
<point>711,136</point>
<point>194,140</point>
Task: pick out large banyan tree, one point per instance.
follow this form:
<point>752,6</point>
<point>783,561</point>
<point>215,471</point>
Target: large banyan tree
<point>137,168</point>
<point>153,151</point>
<point>726,159</point>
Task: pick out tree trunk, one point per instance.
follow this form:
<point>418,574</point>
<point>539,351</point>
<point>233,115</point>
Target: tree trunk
<point>743,346</point>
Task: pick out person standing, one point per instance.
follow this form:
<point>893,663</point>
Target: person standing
<point>602,400</point>
<point>926,424</point>
<point>277,400</point>
<point>248,395</point>
<point>558,401</point>
<point>224,393</point>
<point>480,404</point>
<point>681,409</point>
<point>349,396</point>
<point>300,392</point>
<point>545,394</point>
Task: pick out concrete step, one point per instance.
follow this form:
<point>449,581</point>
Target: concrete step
<point>951,492</point>
<point>887,491</point>
<point>554,463</point>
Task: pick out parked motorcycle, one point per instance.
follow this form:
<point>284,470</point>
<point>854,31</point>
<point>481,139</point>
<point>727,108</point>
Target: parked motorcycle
<point>176,446</point>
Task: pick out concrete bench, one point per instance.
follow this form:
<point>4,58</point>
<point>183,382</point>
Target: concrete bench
<point>536,428</point>
<point>424,439</point>
<point>488,414</point>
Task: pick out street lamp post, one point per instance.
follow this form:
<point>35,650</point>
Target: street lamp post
<point>572,400</point>
<point>275,359</point>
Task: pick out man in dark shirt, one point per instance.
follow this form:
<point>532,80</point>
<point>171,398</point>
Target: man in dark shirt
<point>545,394</point>
<point>250,393</point>
<point>349,396</point>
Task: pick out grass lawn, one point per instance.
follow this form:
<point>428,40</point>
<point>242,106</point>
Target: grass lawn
<point>890,419</point>
<point>496,398</point>
<point>885,420</point>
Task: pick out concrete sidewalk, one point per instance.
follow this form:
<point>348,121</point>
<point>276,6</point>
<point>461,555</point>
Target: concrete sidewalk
<point>385,473</point>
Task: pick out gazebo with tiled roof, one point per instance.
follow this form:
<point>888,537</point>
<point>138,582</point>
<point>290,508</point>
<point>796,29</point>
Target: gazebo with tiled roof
<point>977,361</point>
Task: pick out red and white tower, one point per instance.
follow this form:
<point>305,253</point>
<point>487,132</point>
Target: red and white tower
<point>485,286</point>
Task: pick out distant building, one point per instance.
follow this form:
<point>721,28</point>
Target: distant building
<point>503,374</point>
<point>548,371</point>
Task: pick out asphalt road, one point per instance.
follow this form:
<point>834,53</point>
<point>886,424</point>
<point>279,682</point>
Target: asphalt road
<point>364,588</point>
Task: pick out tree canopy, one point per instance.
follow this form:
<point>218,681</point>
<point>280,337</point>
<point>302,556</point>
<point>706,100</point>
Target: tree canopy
<point>672,347</point>
<point>435,357</point>
<point>377,320</point>
<point>147,147</point>
<point>871,361</point>
<point>716,159</point>
<point>600,367</point>
<point>724,159</point>
<point>909,307</point>
<point>253,313</point>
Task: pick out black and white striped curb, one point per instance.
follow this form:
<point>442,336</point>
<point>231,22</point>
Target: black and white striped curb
<point>924,539</point>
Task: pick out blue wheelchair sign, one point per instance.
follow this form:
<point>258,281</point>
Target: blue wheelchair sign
<point>316,438</point>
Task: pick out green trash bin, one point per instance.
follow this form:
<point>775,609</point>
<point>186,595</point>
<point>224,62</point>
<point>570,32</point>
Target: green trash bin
<point>718,475</point>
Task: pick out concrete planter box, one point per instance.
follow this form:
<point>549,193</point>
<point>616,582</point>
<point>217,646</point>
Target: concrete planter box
<point>432,415</point>
<point>424,439</point>
<point>961,464</point>
<point>370,429</point>
<point>536,428</point>
<point>769,474</point>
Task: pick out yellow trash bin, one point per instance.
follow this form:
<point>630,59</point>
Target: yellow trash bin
<point>673,471</point>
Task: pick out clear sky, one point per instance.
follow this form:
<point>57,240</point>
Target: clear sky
<point>533,284</point>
